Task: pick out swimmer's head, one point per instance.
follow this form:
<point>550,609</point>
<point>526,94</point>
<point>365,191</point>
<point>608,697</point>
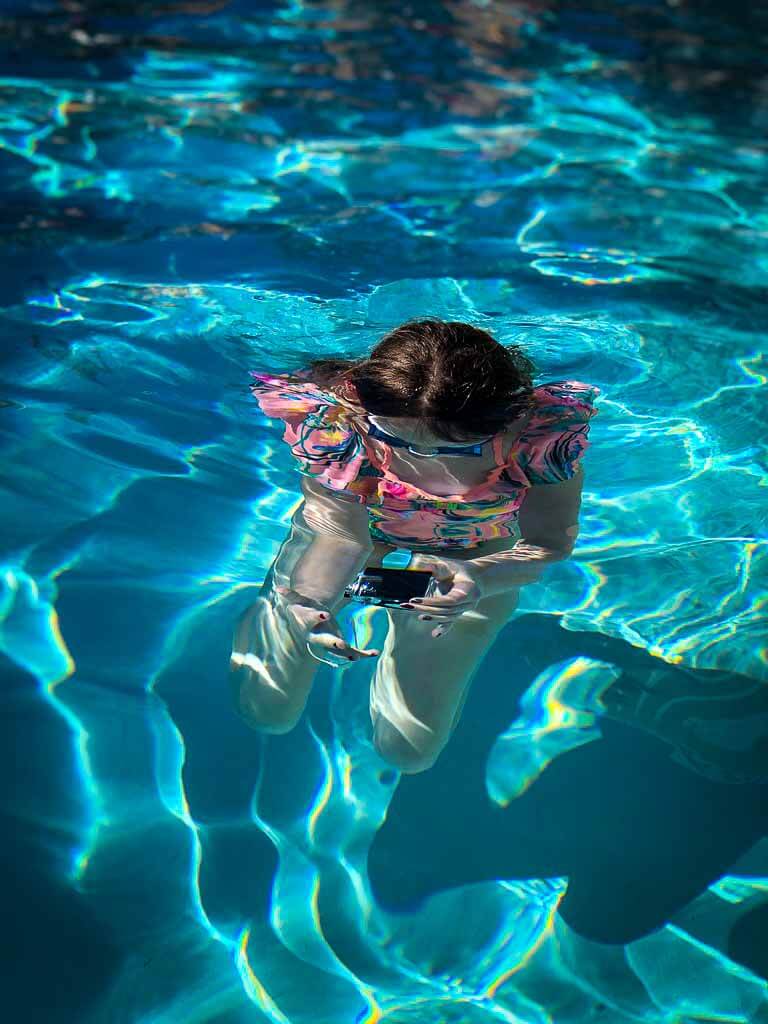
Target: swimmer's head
<point>435,380</point>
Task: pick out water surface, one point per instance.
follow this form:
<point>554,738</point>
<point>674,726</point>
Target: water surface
<point>198,189</point>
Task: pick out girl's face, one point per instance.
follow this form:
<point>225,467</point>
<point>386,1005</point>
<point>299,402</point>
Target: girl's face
<point>401,431</point>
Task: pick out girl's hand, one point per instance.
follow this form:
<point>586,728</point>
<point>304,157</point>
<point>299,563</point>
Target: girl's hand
<point>460,586</point>
<point>325,640</point>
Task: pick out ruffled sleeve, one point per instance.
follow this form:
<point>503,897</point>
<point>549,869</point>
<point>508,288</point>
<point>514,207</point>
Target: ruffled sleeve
<point>557,434</point>
<point>318,431</point>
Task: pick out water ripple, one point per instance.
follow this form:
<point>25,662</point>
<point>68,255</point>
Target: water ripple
<point>202,188</point>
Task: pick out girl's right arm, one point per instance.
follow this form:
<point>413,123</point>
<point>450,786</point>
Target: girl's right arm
<point>338,543</point>
<point>549,525</point>
<point>270,664</point>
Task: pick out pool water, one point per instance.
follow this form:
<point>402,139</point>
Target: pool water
<point>197,189</point>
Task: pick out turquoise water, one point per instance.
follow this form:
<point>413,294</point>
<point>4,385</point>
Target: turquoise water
<point>195,190</point>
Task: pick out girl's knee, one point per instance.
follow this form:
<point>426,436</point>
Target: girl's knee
<point>394,748</point>
<point>276,721</point>
<point>262,710</point>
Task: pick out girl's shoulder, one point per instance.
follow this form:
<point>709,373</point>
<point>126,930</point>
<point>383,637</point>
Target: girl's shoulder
<point>290,394</point>
<point>319,430</point>
<point>556,436</point>
<point>570,401</point>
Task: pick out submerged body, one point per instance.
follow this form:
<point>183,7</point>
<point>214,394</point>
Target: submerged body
<point>485,523</point>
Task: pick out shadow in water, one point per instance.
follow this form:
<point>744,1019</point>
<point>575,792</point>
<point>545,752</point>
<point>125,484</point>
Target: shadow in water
<point>639,823</point>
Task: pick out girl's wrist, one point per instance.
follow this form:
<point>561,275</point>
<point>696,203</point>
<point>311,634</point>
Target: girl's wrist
<point>497,573</point>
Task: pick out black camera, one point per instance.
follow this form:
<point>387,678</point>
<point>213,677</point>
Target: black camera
<point>389,588</point>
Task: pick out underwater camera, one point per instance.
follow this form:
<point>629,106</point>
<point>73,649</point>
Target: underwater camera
<point>389,588</point>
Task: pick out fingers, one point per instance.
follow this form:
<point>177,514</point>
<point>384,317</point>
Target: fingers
<point>323,633</point>
<point>444,616</point>
<point>434,605</point>
<point>458,591</point>
<point>308,618</point>
<point>307,612</point>
<point>329,636</point>
<point>438,566</point>
<point>459,599</point>
<point>446,610</point>
<point>338,646</point>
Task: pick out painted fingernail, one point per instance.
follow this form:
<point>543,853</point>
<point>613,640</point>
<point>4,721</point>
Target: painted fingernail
<point>406,606</point>
<point>415,600</point>
<point>323,615</point>
<point>426,617</point>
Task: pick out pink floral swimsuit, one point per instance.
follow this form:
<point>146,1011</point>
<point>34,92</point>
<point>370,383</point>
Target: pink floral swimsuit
<point>326,437</point>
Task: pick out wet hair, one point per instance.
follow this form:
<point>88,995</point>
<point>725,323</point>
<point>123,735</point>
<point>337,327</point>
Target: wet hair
<point>455,379</point>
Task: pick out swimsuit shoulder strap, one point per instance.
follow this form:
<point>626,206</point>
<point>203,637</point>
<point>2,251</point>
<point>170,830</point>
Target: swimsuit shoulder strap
<point>498,451</point>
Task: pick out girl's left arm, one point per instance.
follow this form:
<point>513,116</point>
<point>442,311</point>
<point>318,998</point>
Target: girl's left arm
<point>549,525</point>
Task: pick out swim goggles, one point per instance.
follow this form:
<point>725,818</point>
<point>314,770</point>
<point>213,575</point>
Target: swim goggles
<point>397,442</point>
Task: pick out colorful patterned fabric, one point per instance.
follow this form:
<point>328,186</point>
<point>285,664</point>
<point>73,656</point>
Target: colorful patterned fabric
<point>326,437</point>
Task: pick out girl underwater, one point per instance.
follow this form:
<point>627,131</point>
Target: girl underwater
<point>437,442</point>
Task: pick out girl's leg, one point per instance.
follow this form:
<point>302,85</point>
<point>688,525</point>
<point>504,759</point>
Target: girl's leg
<point>271,670</point>
<point>421,682</point>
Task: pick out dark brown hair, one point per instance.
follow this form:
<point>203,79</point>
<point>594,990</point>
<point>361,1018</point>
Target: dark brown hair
<point>455,379</point>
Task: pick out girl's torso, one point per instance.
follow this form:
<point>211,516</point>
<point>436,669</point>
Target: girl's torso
<point>445,501</point>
